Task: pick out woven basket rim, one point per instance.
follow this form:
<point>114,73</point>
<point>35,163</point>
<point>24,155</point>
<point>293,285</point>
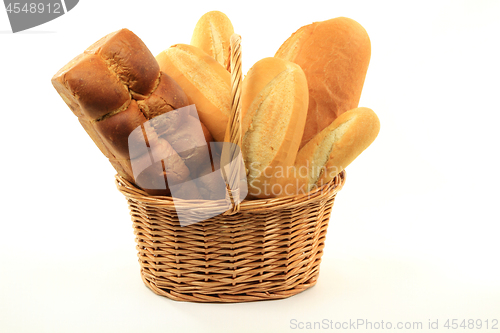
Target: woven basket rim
<point>133,192</point>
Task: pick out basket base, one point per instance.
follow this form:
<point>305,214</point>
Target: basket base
<point>230,298</point>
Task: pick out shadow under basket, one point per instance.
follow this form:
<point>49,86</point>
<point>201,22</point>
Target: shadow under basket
<point>270,249</point>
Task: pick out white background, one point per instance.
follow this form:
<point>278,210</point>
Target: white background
<point>414,234</point>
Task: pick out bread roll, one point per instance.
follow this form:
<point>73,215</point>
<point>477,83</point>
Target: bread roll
<point>336,146</point>
<point>334,55</point>
<point>212,34</point>
<point>206,83</point>
<point>274,109</point>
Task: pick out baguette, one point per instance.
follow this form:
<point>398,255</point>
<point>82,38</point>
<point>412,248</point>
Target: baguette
<point>336,146</point>
<point>212,34</point>
<point>334,55</point>
<point>206,83</point>
<point>274,108</point>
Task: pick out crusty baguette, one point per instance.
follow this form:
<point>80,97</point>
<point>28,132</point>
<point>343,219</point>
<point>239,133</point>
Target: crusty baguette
<point>211,34</point>
<point>206,83</point>
<point>334,55</point>
<point>274,108</point>
<point>336,146</point>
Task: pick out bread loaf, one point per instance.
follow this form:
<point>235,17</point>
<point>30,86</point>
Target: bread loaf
<point>336,146</point>
<point>334,55</point>
<point>274,109</point>
<point>114,88</point>
<point>206,83</point>
<point>212,34</point>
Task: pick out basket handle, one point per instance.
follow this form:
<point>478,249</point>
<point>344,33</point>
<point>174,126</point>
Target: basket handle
<point>233,131</point>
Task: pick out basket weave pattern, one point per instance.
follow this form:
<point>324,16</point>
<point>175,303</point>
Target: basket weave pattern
<point>270,249</point>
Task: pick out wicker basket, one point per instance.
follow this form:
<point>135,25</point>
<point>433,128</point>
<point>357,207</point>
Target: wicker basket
<point>257,250</point>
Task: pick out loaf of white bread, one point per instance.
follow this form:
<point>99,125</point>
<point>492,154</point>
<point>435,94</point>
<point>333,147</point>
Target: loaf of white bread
<point>116,86</point>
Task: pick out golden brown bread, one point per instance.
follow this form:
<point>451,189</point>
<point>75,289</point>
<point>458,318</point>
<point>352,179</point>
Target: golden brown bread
<point>206,83</point>
<point>89,88</point>
<point>210,183</point>
<point>336,146</point>
<point>162,160</point>
<point>206,134</point>
<point>274,108</point>
<point>114,87</point>
<point>166,97</point>
<point>188,140</point>
<point>212,34</point>
<point>334,55</point>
